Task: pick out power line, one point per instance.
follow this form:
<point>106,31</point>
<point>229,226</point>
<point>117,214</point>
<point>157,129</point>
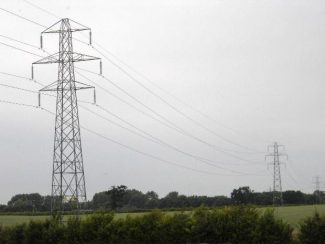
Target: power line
<point>34,22</point>
<point>141,84</point>
<point>22,50</point>
<point>17,88</point>
<point>17,103</point>
<point>212,146</point>
<point>32,91</point>
<point>22,17</point>
<point>21,42</point>
<point>22,77</point>
<point>171,123</point>
<point>164,90</point>
<point>170,105</point>
<point>151,137</point>
<point>124,145</point>
<point>42,9</point>
<point>138,82</point>
<point>135,108</point>
<point>153,83</point>
<point>176,127</point>
<point>17,76</point>
<point>159,141</point>
<point>152,156</point>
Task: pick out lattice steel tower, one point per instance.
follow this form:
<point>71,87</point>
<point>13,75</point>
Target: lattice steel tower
<point>68,178</point>
<point>277,184</point>
<point>317,191</point>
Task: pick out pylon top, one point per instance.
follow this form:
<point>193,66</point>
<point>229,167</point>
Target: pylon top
<point>56,27</point>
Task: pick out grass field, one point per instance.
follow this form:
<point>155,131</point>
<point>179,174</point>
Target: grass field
<point>291,214</point>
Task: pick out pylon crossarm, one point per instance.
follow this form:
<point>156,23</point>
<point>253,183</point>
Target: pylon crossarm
<point>48,29</point>
<point>58,31</point>
<point>76,57</point>
<point>51,29</point>
<point>48,87</point>
<point>81,25</point>
<point>54,58</point>
<point>51,88</point>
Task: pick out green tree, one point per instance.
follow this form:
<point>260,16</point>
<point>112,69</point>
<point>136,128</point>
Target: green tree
<point>116,194</point>
<point>242,195</point>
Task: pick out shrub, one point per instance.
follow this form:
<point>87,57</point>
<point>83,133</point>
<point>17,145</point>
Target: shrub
<point>228,225</point>
<point>16,234</point>
<point>34,233</point>
<point>176,228</point>
<point>97,227</point>
<point>53,230</point>
<point>144,229</point>
<point>312,230</point>
<point>271,230</point>
<point>235,224</point>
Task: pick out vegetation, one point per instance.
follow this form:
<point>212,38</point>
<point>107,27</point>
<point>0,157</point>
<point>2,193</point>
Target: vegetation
<point>25,219</point>
<point>312,230</point>
<point>123,199</point>
<point>226,225</point>
<point>293,215</point>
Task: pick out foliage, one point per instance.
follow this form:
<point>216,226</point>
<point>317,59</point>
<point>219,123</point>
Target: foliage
<point>271,230</point>
<point>242,195</point>
<point>123,199</point>
<point>312,230</point>
<point>228,225</point>
<point>293,197</point>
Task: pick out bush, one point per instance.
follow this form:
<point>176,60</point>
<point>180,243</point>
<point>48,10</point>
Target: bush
<point>312,230</point>
<point>271,230</point>
<point>235,224</point>
<point>176,228</point>
<point>16,234</point>
<point>228,225</point>
<point>97,227</point>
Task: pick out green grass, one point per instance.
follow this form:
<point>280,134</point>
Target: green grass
<point>291,214</point>
<point>10,220</point>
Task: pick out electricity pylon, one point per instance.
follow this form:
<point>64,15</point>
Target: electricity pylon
<point>68,178</point>
<point>277,183</point>
<point>317,182</point>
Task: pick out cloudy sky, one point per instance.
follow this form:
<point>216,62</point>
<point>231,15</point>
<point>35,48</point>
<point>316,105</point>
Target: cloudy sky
<point>232,76</point>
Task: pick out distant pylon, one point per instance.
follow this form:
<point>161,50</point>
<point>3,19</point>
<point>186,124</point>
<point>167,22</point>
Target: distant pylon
<point>68,178</point>
<point>277,182</point>
<point>317,183</point>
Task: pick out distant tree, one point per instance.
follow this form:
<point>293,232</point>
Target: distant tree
<point>152,199</point>
<point>101,200</point>
<point>3,207</point>
<point>151,195</point>
<point>26,202</point>
<point>242,195</point>
<point>293,197</point>
<point>263,198</point>
<point>170,200</point>
<point>134,199</point>
<point>116,194</point>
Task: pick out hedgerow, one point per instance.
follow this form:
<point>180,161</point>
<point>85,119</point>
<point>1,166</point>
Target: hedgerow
<point>228,225</point>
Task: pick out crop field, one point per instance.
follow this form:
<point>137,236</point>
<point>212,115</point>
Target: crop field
<point>291,214</point>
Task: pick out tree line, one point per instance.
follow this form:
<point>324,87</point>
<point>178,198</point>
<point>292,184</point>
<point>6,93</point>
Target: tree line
<point>123,199</point>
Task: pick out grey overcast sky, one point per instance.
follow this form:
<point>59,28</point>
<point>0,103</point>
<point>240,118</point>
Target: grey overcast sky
<point>256,68</point>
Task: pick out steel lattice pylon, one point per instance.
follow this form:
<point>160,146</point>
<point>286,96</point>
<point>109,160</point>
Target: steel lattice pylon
<point>68,178</point>
<point>277,182</point>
